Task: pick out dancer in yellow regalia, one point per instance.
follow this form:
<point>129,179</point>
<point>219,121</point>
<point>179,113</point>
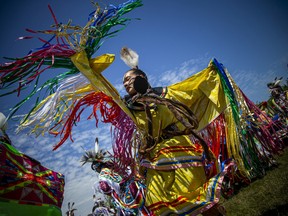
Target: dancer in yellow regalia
<point>173,164</point>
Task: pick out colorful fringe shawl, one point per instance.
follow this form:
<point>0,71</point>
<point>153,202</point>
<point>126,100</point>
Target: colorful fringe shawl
<point>238,133</point>
<point>56,52</point>
<point>56,113</point>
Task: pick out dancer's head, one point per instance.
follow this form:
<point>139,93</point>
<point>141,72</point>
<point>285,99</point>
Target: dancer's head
<point>129,80</point>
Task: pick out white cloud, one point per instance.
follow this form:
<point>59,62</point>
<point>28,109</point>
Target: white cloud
<point>180,73</point>
<point>80,191</point>
<point>254,84</point>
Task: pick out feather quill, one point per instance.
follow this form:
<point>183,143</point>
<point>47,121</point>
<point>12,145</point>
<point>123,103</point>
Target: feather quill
<point>130,57</point>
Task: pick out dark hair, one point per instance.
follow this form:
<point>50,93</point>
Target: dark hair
<point>138,72</point>
<point>5,139</point>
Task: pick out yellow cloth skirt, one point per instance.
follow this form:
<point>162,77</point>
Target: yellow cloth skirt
<point>182,191</point>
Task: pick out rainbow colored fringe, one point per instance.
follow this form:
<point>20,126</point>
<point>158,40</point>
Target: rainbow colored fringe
<point>55,53</point>
<point>240,133</point>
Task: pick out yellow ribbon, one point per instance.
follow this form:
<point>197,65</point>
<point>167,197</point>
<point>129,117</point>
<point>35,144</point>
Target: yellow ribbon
<point>92,71</point>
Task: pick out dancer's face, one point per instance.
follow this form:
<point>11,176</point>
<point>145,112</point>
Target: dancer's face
<point>128,82</point>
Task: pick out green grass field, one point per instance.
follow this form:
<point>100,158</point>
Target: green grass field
<point>267,196</point>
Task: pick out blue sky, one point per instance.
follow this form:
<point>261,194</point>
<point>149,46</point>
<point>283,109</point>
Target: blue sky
<point>174,39</point>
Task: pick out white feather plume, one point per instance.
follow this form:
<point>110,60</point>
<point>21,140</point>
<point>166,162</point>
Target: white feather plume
<point>129,57</point>
<point>95,155</point>
<point>3,122</point>
<point>96,145</point>
<point>277,81</point>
